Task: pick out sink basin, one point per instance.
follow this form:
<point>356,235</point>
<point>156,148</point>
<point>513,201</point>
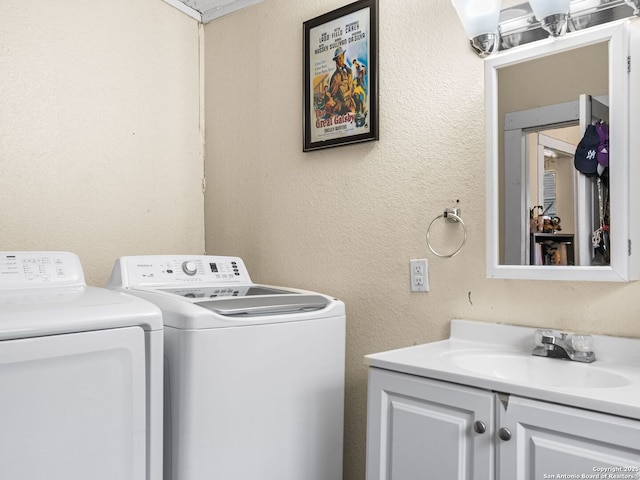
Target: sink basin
<point>538,371</point>
<point>497,357</point>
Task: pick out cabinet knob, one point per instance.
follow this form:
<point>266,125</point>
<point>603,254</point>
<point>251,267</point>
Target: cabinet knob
<point>479,427</point>
<point>504,434</point>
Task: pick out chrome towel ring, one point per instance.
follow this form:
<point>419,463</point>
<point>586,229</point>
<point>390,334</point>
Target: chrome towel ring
<point>451,215</point>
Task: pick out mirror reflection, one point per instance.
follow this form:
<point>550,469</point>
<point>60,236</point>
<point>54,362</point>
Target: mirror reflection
<point>553,194</point>
<point>551,191</point>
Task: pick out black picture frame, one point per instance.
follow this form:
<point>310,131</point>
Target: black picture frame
<point>341,95</point>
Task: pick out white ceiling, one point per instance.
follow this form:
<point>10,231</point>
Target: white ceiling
<point>207,10</point>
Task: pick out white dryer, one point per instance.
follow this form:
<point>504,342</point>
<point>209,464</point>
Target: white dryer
<point>254,376</point>
<point>80,375</point>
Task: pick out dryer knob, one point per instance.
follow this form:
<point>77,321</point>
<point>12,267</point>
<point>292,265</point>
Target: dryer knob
<point>189,268</point>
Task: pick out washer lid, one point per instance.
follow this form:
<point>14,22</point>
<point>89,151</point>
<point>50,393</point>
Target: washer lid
<point>269,305</point>
<point>221,291</point>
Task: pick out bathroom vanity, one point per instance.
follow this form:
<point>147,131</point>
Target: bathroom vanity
<point>480,406</point>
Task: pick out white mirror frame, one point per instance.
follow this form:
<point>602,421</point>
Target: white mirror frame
<point>624,39</point>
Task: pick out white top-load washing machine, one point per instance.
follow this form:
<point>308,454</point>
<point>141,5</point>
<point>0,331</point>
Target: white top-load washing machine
<point>80,375</point>
<point>254,374</point>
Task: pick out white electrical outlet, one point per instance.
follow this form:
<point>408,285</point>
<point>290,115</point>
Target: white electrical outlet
<point>419,275</point>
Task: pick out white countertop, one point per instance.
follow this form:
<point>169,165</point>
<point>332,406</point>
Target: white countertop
<point>615,373</point>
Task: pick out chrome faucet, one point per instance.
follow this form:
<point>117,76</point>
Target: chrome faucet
<point>576,348</point>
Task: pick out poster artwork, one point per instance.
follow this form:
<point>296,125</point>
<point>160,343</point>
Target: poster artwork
<point>339,51</point>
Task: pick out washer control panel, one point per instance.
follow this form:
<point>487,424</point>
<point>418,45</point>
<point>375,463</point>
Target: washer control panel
<point>39,269</point>
<point>161,270</point>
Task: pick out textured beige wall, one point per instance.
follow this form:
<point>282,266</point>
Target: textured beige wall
<point>347,220</point>
<point>100,148</point>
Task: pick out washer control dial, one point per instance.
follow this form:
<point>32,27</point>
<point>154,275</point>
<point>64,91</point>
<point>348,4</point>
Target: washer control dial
<point>189,268</point>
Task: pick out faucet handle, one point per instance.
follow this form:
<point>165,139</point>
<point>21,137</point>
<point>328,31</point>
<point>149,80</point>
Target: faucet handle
<point>582,343</point>
<point>539,334</point>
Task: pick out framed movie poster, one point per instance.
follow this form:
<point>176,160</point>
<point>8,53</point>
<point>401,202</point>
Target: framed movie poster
<point>341,77</point>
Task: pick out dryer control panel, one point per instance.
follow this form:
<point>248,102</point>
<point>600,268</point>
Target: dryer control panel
<point>25,270</point>
<point>178,270</point>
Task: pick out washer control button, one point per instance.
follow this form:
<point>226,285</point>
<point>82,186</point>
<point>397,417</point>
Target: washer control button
<point>189,268</point>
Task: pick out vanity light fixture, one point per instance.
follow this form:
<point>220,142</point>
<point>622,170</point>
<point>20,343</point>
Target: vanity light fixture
<point>480,21</point>
<point>553,15</point>
<point>491,29</point>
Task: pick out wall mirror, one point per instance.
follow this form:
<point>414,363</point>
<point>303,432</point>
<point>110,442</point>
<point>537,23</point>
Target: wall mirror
<point>546,219</point>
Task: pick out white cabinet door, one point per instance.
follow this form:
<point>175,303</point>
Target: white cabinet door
<point>426,429</point>
<point>550,441</point>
